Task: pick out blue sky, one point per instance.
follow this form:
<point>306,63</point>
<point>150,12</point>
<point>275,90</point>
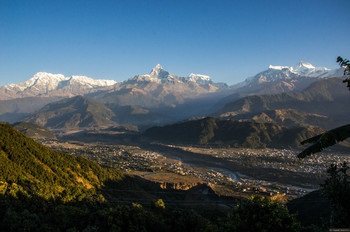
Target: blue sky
<point>228,40</point>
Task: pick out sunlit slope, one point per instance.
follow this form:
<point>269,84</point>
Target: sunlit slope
<point>29,168</point>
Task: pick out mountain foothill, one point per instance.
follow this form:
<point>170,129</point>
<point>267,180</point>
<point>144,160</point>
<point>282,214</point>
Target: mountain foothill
<point>277,107</point>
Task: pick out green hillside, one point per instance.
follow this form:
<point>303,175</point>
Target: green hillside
<point>221,132</point>
<point>29,168</point>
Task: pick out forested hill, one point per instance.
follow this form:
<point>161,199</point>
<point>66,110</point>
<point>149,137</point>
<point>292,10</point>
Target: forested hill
<point>31,169</point>
<point>223,132</point>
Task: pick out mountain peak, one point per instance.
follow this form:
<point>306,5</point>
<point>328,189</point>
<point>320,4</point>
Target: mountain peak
<point>158,66</point>
<point>304,64</point>
<point>42,80</point>
<point>159,72</point>
<point>47,76</point>
<point>156,69</point>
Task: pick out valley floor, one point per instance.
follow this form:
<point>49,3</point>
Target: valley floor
<point>236,172</point>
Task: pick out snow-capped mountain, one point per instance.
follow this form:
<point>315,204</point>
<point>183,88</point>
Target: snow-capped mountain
<point>48,84</point>
<point>297,72</point>
<point>159,87</point>
<point>40,81</point>
<point>45,84</point>
<point>308,70</point>
<point>159,75</point>
<point>199,78</point>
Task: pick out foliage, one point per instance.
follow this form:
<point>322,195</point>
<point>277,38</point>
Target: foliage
<point>313,211</point>
<point>345,63</point>
<point>43,215</point>
<point>261,214</point>
<point>159,204</point>
<point>337,189</point>
<point>327,139</point>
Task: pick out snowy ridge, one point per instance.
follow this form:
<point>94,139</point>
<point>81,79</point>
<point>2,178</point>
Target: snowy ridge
<point>53,81</point>
<point>43,83</point>
<point>47,84</point>
<point>277,67</point>
<point>199,78</point>
<point>41,79</point>
<point>159,75</point>
<point>279,73</point>
<point>304,69</point>
<point>89,82</point>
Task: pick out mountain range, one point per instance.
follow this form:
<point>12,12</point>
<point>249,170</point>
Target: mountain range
<point>301,96</point>
<point>159,88</point>
<point>277,79</point>
<point>53,85</point>
<point>47,84</point>
<point>302,69</point>
<point>324,99</point>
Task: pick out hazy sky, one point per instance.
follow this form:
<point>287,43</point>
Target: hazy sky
<point>117,39</point>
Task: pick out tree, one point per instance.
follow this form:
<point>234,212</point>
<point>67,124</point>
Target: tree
<point>337,189</point>
<point>261,214</point>
<point>333,136</point>
<point>159,204</point>
<point>327,139</point>
<point>345,63</point>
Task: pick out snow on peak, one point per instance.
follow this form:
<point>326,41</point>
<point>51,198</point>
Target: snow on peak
<point>303,68</point>
<point>44,83</point>
<point>199,78</point>
<point>277,67</point>
<point>277,73</point>
<point>87,81</point>
<point>159,75</point>
<point>156,69</point>
<point>305,65</point>
<point>47,77</point>
<point>159,72</point>
<point>302,65</point>
<point>306,69</point>
<point>45,80</point>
